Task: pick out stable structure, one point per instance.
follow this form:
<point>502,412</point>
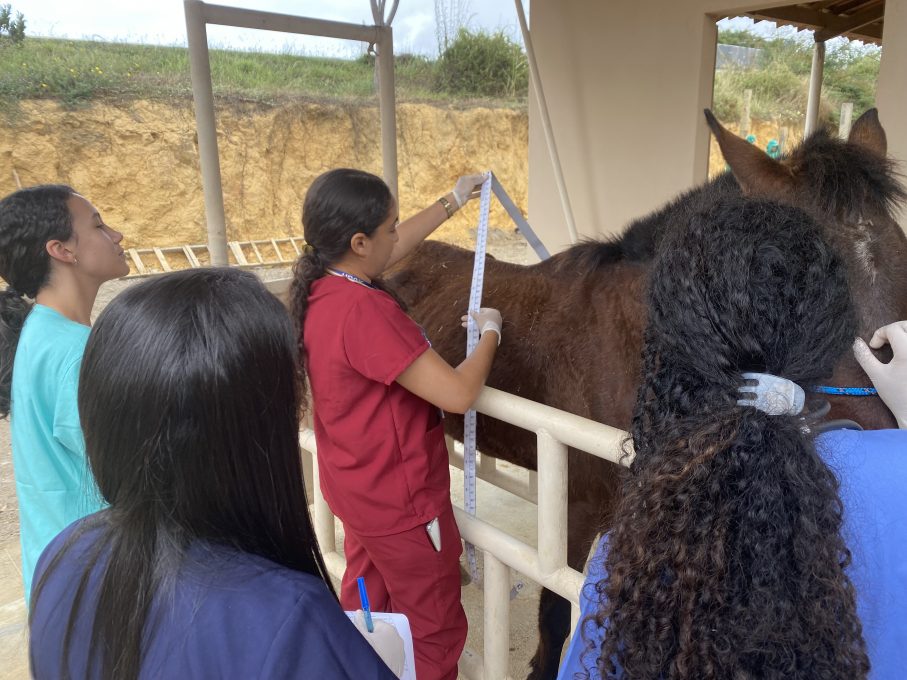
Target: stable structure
<point>626,82</point>
<point>600,155</point>
<point>380,39</point>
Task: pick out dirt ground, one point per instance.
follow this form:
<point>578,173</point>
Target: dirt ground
<point>495,506</point>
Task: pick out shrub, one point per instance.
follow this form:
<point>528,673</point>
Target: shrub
<point>483,65</point>
<point>11,30</point>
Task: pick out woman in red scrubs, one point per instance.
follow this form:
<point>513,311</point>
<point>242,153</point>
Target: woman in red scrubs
<point>379,391</point>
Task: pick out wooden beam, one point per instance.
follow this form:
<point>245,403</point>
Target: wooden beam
<point>801,16</point>
<point>838,25</point>
<point>871,33</point>
<point>864,24</point>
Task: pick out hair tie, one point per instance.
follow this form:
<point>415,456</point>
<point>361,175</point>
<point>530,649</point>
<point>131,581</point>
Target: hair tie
<point>772,394</point>
<point>308,249</point>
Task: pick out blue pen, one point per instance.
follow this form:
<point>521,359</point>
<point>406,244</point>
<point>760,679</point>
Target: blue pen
<point>363,597</point>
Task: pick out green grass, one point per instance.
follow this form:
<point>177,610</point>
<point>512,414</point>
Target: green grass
<point>780,81</point>
<point>77,71</point>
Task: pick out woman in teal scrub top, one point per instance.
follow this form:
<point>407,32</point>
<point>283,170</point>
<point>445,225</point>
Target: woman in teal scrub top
<point>55,250</point>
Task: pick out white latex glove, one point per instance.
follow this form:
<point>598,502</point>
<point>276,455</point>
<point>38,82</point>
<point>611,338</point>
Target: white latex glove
<point>487,319</point>
<point>385,640</point>
<point>467,187</point>
<point>889,379</point>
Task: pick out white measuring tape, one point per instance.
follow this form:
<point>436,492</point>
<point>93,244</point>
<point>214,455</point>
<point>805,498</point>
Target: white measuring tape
<point>472,340</point>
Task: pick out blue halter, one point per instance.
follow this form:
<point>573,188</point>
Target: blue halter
<point>845,391</point>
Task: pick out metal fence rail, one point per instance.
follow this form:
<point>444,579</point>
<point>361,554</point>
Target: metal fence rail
<point>547,565</point>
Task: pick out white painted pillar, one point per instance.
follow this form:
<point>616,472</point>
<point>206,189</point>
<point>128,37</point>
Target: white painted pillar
<point>552,508</point>
<point>815,89</point>
<point>322,518</point>
<point>891,94</point>
<point>497,618</point>
<point>387,105</point>
<point>200,71</point>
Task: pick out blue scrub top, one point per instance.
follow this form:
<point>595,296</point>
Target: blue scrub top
<point>226,614</point>
<point>53,483</point>
<point>871,467</point>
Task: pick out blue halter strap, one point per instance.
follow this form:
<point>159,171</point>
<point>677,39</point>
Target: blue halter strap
<point>845,391</point>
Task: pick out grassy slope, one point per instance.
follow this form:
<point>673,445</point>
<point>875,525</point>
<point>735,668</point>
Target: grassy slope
<point>75,71</point>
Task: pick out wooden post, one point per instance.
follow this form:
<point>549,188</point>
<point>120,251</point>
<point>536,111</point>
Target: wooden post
<point>745,113</point>
<point>846,120</point>
<point>782,139</point>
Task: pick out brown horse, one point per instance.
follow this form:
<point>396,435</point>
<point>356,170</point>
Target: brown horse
<point>573,324</point>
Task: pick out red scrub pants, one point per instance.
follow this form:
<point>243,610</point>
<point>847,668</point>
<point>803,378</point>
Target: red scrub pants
<point>405,574</point>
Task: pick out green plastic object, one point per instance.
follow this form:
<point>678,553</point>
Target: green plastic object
<point>751,139</point>
<point>773,149</point>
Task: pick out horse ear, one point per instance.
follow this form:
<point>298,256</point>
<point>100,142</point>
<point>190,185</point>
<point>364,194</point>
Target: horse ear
<point>755,171</point>
<point>869,133</point>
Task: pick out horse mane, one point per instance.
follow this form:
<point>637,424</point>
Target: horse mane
<point>842,179</point>
<point>845,179</point>
<point>638,241</point>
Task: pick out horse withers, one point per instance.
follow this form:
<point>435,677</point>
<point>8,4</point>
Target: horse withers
<point>574,323</point>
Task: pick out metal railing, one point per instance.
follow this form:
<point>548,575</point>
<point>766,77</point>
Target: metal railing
<point>546,565</point>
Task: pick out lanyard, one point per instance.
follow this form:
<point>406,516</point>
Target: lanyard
<point>349,277</point>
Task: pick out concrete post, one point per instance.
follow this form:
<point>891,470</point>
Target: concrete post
<point>384,64</point>
<point>815,89</point>
<point>203,96</point>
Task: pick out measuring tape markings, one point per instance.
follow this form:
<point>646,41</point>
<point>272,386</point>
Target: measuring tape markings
<point>490,184</point>
<point>472,340</point>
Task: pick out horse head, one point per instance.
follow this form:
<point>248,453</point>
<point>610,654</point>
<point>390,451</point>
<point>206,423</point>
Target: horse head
<point>852,189</point>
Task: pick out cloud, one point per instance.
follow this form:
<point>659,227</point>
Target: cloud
<point>164,23</point>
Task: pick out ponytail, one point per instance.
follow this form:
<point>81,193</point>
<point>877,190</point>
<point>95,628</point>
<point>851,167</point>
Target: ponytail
<point>13,310</point>
<point>726,558</point>
<point>308,269</point>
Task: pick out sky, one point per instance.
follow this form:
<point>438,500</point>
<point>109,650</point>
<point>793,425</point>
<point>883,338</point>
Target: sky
<point>163,23</point>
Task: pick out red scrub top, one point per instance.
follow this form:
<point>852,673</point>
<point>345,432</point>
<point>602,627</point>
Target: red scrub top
<point>382,458</point>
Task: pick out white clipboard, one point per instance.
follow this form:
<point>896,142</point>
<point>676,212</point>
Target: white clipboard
<point>401,624</point>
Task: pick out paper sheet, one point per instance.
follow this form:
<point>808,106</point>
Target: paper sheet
<point>401,624</point>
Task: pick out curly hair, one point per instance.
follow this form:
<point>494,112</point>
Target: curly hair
<point>725,559</point>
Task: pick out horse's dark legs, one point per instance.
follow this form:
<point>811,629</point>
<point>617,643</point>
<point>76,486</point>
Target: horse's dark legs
<point>554,626</point>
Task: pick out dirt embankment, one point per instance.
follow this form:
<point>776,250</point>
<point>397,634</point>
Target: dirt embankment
<point>138,161</point>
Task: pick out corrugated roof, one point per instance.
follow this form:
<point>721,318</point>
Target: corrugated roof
<point>854,19</point>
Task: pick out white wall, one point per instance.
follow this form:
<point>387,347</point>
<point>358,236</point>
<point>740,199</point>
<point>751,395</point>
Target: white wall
<point>891,96</point>
<point>626,82</point>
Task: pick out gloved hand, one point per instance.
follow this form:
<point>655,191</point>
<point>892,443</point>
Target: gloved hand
<point>889,379</point>
<point>385,640</point>
<point>487,319</point>
<point>467,187</point>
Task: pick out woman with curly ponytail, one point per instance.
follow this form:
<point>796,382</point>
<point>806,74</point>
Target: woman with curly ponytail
<point>55,252</point>
<point>742,544</point>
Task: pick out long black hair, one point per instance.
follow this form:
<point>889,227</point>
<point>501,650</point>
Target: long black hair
<point>29,218</point>
<point>338,205</point>
<point>189,408</point>
<point>725,558</point>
